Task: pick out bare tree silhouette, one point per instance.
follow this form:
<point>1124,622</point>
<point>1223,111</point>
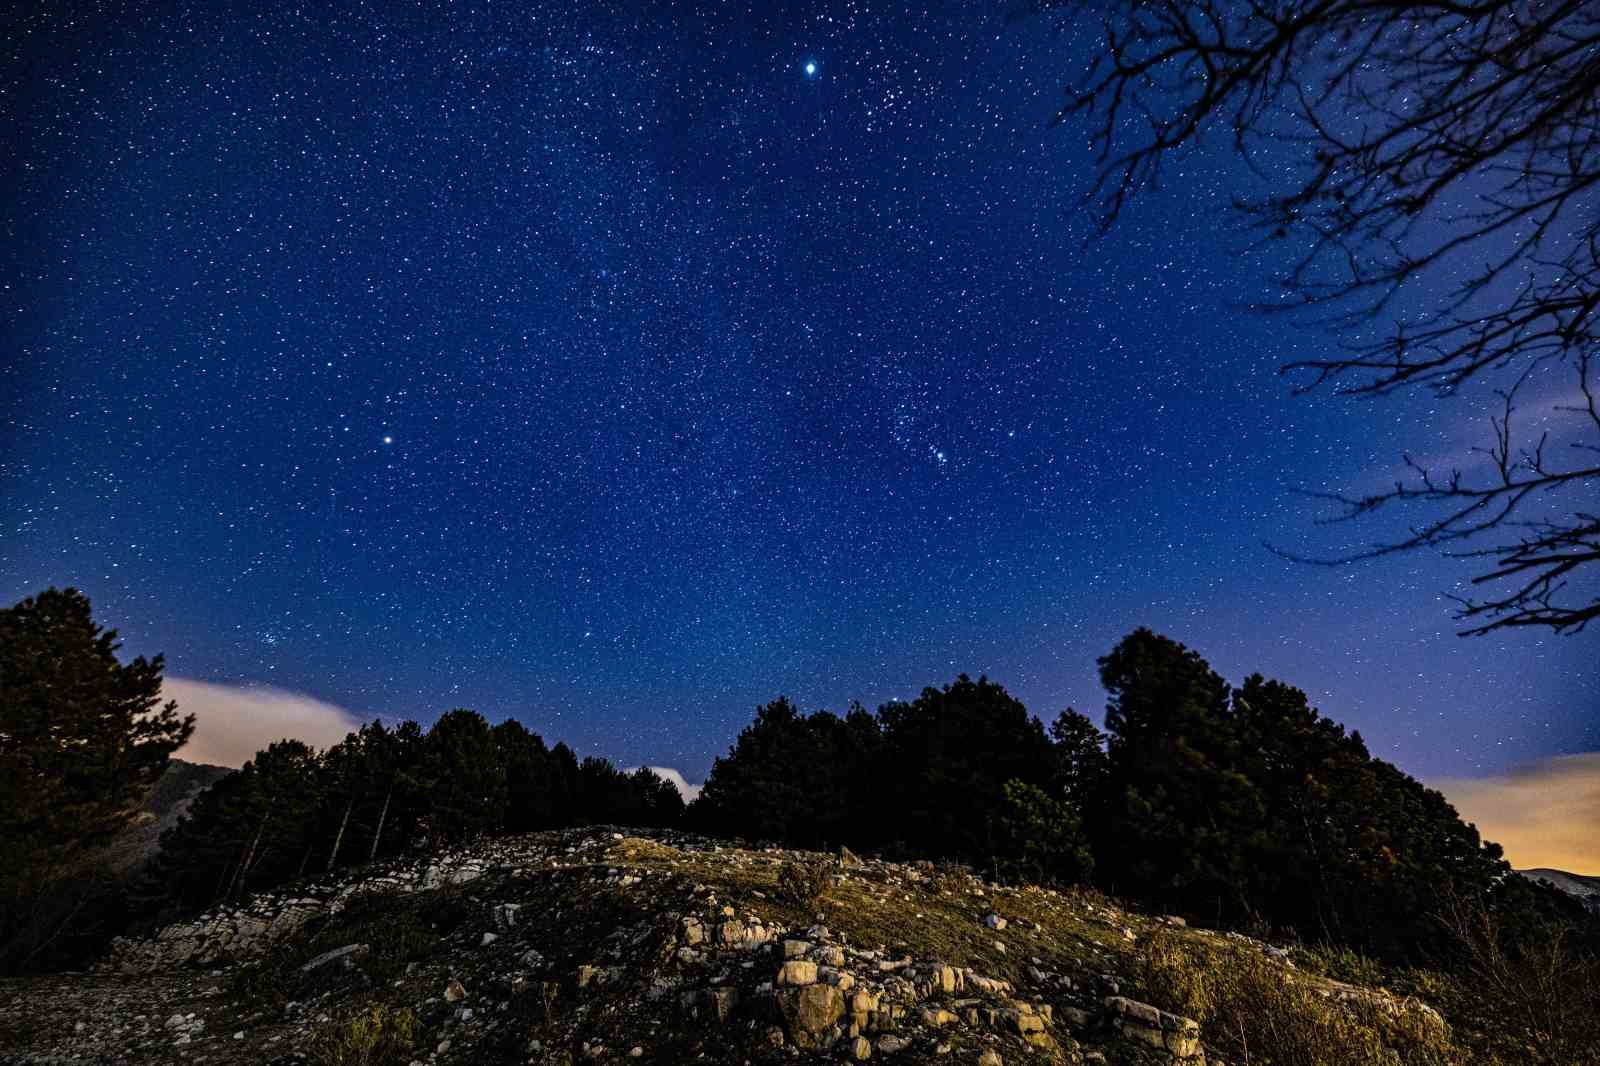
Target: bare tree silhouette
<point>1442,210</point>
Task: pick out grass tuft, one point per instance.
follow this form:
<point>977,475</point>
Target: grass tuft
<point>376,1036</point>
<point>1253,1011</point>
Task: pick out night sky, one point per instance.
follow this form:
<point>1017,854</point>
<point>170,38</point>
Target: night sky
<point>619,369</point>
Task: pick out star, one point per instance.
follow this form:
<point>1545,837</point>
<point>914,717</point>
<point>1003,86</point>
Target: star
<point>388,440</point>
<point>811,68</point>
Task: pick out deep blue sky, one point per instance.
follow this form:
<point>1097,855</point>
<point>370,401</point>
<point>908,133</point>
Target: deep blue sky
<point>611,370</point>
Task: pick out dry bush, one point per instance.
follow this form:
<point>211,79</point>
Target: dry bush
<point>1537,999</point>
<point>1257,1011</point>
<point>376,1036</point>
<point>803,883</point>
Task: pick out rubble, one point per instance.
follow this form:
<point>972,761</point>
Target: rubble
<point>594,945</point>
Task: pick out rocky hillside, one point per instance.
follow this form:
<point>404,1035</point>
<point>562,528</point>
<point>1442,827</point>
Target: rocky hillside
<point>163,805</point>
<point>602,945</point>
<point>1578,886</point>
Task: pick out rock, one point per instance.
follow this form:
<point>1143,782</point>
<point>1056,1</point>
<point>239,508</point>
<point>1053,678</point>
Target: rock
<point>587,974</point>
<point>721,1001</point>
<point>1076,1017</point>
<point>991,986</point>
<point>693,932</point>
<point>732,933</point>
<point>995,922</point>
<point>1172,1033</point>
<point>892,1045</point>
<point>488,938</point>
<point>860,1048</point>
<point>936,1017</point>
<point>636,1053</point>
<point>1174,921</point>
<point>455,991</point>
<point>809,1011</point>
<point>712,1004</point>
<point>1022,1021</point>
<point>842,978</point>
<point>505,914</point>
<point>795,949</point>
<point>990,1057</point>
<point>349,951</point>
<point>829,955</point>
<point>798,972</point>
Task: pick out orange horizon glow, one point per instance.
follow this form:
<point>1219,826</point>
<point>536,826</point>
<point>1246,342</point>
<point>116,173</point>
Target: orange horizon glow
<point>1545,815</point>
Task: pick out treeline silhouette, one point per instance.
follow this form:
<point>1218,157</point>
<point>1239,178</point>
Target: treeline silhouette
<point>290,811</point>
<point>1237,806</point>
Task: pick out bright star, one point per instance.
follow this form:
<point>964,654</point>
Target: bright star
<point>811,68</point>
<point>388,440</point>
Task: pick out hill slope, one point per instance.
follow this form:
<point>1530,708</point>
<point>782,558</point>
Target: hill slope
<point>593,946</point>
<point>1585,888</point>
<point>166,802</point>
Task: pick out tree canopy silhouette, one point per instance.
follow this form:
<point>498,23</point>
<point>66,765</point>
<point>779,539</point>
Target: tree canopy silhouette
<point>1434,168</point>
<point>83,737</point>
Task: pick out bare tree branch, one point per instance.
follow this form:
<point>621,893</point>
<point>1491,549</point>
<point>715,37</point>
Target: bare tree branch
<point>1443,218</point>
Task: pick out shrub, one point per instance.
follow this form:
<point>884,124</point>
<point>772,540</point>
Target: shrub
<point>1254,1010</point>
<point>803,883</point>
<point>1532,991</point>
<point>395,929</point>
<point>1341,963</point>
<point>374,1037</point>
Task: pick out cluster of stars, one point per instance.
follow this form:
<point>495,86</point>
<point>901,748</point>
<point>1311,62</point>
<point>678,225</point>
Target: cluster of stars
<point>728,358</point>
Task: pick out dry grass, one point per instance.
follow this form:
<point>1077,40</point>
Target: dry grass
<point>1255,1011</point>
<point>375,1036</point>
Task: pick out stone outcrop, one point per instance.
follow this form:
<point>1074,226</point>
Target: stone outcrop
<point>252,927</point>
<point>588,946</point>
<point>1176,1035</point>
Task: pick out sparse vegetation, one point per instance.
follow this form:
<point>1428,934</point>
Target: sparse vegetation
<point>1340,963</point>
<point>1257,1012</point>
<point>803,883</point>
<point>375,1036</point>
<point>1533,993</point>
<point>396,930</point>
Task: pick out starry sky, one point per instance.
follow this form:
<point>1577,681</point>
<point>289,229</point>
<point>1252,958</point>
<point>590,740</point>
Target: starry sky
<point>619,367</point>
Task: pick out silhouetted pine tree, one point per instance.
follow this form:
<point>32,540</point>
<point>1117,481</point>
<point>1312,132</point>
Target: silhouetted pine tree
<point>948,755</point>
<point>465,781</point>
<point>796,778</point>
<point>83,737</point>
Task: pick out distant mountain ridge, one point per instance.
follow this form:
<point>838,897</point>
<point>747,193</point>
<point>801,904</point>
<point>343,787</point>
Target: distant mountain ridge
<point>1577,885</point>
<point>168,799</point>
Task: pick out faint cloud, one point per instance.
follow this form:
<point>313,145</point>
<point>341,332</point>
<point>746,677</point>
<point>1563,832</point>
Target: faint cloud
<point>1544,815</point>
<point>233,722</point>
<point>667,773</point>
